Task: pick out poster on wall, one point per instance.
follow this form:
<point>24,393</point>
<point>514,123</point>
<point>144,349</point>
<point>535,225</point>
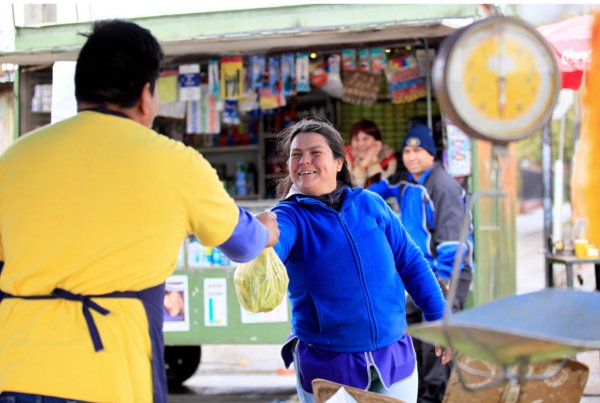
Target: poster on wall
<point>232,77</point>
<point>302,72</point>
<point>257,71</point>
<point>378,60</point>
<point>210,121</point>
<point>288,73</point>
<point>176,304</point>
<point>348,60</point>
<point>189,82</point>
<point>214,79</point>
<point>364,60</point>
<point>279,314</point>
<point>167,85</point>
<point>459,152</point>
<point>215,302</point>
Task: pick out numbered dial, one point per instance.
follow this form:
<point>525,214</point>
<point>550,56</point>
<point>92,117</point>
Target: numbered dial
<point>497,79</point>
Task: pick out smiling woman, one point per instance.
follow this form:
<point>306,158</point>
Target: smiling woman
<point>349,261</point>
<point>312,165</point>
<point>368,158</point>
<point>315,158</point>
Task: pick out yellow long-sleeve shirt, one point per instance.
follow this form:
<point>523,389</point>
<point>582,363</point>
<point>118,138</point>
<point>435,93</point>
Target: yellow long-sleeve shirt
<point>95,204</point>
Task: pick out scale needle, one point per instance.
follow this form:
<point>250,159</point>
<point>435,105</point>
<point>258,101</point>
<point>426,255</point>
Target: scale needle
<point>501,77</point>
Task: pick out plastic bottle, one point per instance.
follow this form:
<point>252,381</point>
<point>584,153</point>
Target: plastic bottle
<point>240,179</point>
<point>216,257</point>
<point>195,254</point>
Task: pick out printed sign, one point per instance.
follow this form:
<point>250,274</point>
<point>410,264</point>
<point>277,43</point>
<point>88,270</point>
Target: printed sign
<point>189,82</point>
<point>214,81</point>
<point>176,304</point>
<point>257,71</point>
<point>215,302</point>
<point>459,152</point>
<point>279,314</point>
<point>288,73</point>
<point>302,72</point>
<point>232,77</point>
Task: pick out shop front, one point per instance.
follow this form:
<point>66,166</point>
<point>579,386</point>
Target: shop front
<point>231,81</point>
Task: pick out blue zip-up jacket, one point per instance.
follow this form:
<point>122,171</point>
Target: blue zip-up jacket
<point>348,271</point>
<point>432,211</point>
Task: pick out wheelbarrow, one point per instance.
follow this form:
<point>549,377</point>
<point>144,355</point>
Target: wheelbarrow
<point>323,390</point>
<point>567,385</point>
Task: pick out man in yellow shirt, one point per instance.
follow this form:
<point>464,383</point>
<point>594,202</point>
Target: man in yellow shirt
<point>93,211</point>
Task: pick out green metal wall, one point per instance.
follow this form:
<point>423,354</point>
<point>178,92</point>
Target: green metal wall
<point>235,332</point>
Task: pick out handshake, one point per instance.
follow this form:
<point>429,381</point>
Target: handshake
<point>269,220</point>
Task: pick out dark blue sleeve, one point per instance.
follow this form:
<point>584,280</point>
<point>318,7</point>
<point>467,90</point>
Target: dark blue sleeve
<point>382,188</point>
<point>248,239</point>
<point>445,254</point>
<point>414,269</point>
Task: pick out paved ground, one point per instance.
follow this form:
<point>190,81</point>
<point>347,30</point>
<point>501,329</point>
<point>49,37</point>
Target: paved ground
<point>255,374</point>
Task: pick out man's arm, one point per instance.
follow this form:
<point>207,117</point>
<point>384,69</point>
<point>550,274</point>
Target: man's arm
<point>250,236</point>
<point>383,189</point>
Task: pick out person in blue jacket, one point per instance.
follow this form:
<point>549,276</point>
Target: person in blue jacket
<point>349,262</point>
<point>432,209</point>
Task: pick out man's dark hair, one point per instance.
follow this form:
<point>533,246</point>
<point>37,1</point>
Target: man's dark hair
<point>117,60</point>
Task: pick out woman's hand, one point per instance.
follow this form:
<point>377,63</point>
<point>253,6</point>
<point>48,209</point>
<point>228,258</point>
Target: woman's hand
<point>372,155</point>
<point>445,352</point>
<point>269,220</point>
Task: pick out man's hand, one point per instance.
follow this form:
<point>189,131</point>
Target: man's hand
<point>444,285</point>
<point>445,352</point>
<point>269,220</point>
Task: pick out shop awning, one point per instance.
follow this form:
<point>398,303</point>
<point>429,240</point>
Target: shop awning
<point>259,30</point>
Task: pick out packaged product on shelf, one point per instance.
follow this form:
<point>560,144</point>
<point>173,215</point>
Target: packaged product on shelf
<point>240,178</point>
<point>196,254</point>
<point>219,259</point>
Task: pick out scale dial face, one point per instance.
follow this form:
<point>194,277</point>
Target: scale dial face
<point>497,79</point>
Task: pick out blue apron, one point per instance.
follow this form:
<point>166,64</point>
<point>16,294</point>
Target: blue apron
<point>152,299</point>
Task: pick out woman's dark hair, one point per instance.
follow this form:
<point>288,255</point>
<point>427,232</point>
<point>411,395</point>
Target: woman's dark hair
<point>334,140</point>
<point>117,60</point>
<point>367,126</point>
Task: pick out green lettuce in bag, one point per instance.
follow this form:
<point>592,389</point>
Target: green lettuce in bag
<point>261,284</point>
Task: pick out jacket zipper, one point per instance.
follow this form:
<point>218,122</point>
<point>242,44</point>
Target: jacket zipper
<point>373,327</point>
<point>362,281</point>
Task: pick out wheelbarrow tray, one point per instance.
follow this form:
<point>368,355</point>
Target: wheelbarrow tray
<point>567,385</point>
<point>323,390</point>
<point>537,326</point>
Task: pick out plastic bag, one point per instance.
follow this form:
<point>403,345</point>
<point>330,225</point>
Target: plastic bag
<point>341,396</point>
<point>261,284</point>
